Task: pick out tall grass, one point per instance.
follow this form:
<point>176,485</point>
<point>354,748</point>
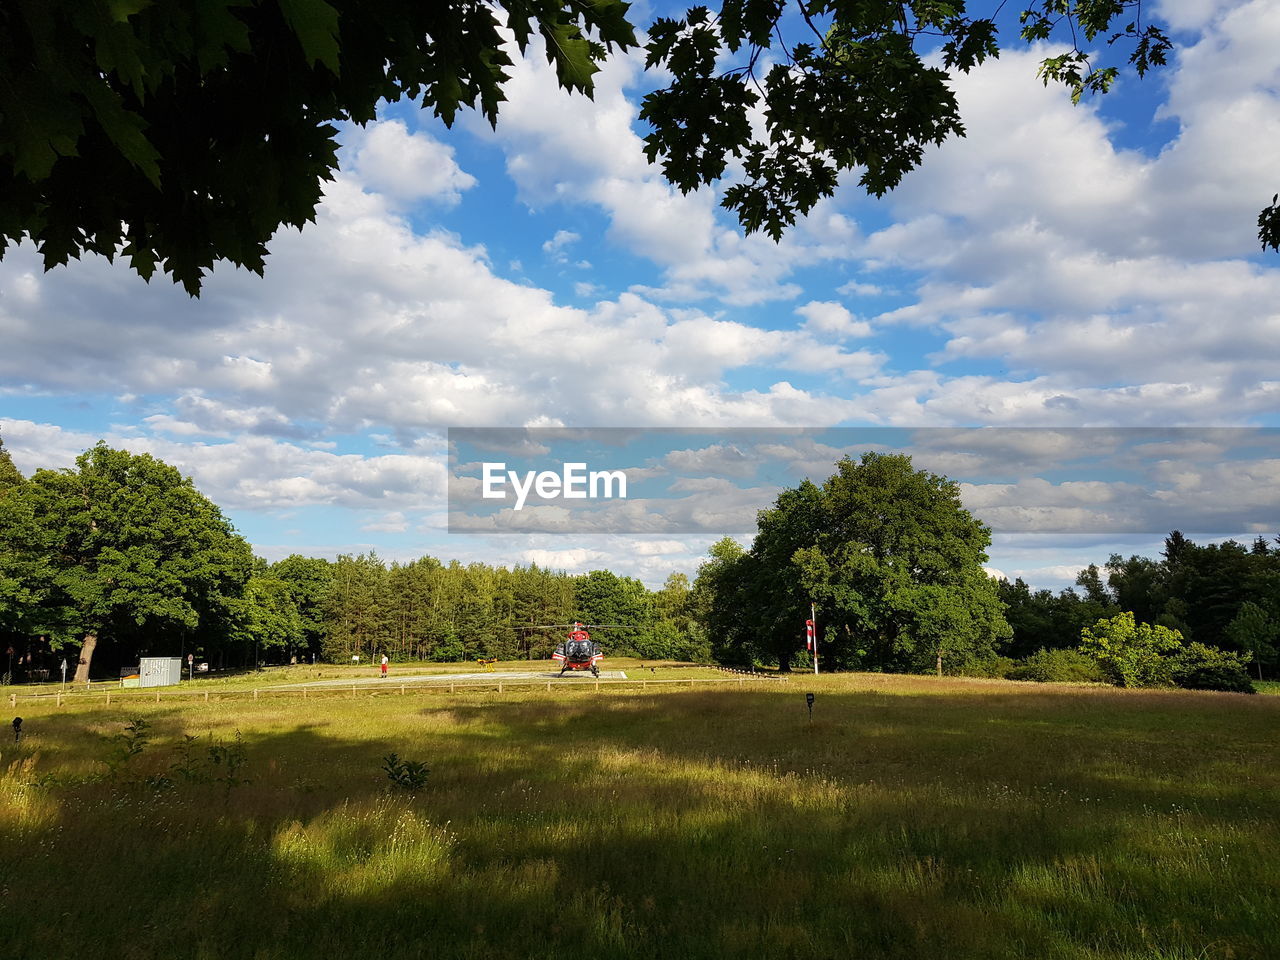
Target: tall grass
<point>912,818</point>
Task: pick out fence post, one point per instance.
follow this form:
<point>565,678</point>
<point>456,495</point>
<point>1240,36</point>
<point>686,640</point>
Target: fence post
<point>597,686</point>
<point>402,689</point>
<point>499,686</point>
<point>108,698</point>
<point>13,700</point>
<point>451,686</point>
<point>206,696</point>
<point>255,693</point>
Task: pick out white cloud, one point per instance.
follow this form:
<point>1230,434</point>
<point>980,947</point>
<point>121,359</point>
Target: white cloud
<point>404,166</point>
<point>564,149</point>
<point>393,522</point>
<point>251,472</point>
<point>555,247</point>
<point>828,317</point>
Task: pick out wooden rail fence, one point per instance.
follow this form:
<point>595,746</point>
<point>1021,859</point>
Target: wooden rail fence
<point>134,695</point>
<point>755,674</point>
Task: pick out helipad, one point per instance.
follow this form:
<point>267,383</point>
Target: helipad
<point>496,676</point>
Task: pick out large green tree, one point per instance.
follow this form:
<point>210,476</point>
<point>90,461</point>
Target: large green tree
<point>212,121</point>
<point>721,601</point>
<point>309,580</point>
<point>267,622</point>
<point>121,549</point>
<point>888,554</point>
<point>897,569</point>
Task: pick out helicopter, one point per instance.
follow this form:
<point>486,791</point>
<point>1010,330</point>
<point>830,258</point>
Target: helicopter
<point>578,651</point>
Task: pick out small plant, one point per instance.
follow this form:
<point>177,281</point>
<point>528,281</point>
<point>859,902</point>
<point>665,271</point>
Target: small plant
<point>188,766</point>
<point>408,774</point>
<point>128,746</point>
<point>225,761</point>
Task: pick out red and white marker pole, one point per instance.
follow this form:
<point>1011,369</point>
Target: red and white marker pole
<point>811,635</point>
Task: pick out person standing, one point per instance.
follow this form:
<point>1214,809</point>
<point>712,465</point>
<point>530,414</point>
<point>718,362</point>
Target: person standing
<point>384,664</point>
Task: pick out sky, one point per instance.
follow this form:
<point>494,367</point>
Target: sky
<point>1060,267</point>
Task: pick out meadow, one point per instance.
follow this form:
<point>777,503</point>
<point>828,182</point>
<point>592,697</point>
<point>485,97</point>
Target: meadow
<point>912,817</point>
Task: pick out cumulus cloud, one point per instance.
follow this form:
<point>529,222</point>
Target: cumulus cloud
<point>250,472</point>
<point>404,166</point>
<point>828,317</point>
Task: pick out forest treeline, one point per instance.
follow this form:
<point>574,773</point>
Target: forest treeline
<point>121,556</point>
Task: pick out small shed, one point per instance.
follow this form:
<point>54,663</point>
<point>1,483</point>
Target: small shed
<point>160,671</point>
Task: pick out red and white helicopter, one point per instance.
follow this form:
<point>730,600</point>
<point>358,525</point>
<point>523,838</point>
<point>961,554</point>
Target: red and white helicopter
<point>578,651</point>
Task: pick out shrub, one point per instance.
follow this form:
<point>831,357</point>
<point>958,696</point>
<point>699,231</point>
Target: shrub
<point>1199,667</point>
<point>411,775</point>
<point>1059,666</point>
<point>1132,654</point>
<point>989,666</point>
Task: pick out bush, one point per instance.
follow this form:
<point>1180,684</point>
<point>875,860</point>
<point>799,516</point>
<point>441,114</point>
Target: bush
<point>993,666</point>
<point>1132,654</point>
<point>411,775</point>
<point>1059,666</point>
<point>1199,667</point>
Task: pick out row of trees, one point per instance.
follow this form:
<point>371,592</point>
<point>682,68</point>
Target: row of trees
<point>430,610</point>
<point>122,556</point>
<point>893,564</point>
<point>1224,595</point>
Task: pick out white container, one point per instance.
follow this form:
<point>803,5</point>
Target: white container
<point>160,671</point>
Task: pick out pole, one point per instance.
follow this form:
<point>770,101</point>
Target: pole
<point>813,615</point>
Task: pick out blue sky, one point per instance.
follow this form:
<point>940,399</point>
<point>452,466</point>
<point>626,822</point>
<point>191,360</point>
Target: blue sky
<point>1060,267</point>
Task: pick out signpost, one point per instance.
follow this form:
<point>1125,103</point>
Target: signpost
<point>811,635</point>
<point>808,698</point>
<point>191,666</point>
<point>64,671</point>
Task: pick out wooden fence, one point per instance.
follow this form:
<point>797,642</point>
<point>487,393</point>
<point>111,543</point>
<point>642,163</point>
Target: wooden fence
<point>106,695</point>
<point>754,674</point>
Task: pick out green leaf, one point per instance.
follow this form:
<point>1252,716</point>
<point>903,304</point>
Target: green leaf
<point>315,24</point>
<point>125,130</point>
<point>571,53</point>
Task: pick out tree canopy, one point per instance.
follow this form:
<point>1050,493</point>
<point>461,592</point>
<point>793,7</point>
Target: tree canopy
<point>887,553</point>
<point>123,547</point>
<point>10,476</point>
<point>177,133</point>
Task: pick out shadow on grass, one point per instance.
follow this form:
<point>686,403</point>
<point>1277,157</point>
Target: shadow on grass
<point>716,824</point>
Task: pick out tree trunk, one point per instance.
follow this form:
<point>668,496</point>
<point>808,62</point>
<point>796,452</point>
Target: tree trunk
<point>86,657</point>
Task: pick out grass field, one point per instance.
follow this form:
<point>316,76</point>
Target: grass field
<point>913,818</point>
